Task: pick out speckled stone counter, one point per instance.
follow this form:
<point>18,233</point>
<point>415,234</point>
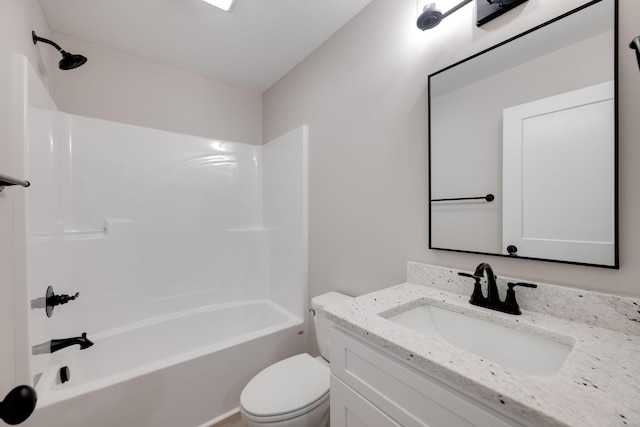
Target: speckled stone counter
<point>598,385</point>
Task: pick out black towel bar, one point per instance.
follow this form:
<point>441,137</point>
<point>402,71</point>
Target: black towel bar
<point>488,198</point>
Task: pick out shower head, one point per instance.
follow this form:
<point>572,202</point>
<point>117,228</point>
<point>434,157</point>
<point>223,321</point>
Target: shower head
<point>430,17</point>
<point>69,61</point>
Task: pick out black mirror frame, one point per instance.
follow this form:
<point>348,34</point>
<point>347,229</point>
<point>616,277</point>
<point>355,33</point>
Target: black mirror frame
<point>616,264</point>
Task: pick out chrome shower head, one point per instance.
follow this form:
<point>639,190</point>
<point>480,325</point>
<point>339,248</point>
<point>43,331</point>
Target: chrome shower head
<point>69,61</point>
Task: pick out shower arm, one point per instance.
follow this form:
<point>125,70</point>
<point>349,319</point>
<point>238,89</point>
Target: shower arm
<point>37,39</point>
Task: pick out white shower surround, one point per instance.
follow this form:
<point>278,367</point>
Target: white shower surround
<point>190,256</point>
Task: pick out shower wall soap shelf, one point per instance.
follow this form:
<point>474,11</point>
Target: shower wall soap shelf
<point>6,181</point>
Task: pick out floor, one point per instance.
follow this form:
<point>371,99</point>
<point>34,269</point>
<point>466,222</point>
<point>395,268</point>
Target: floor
<point>235,421</point>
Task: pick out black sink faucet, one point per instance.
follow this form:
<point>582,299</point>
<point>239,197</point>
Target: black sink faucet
<point>492,300</point>
<point>58,344</point>
<point>493,297</point>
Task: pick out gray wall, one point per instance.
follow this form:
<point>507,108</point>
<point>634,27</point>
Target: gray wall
<point>117,86</point>
<point>363,95</point>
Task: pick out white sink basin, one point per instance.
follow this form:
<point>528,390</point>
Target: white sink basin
<point>511,348</point>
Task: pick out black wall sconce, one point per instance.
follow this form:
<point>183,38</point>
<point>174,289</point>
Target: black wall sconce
<point>486,10</point>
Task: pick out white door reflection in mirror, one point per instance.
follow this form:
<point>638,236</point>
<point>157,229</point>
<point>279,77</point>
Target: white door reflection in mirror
<point>559,177</point>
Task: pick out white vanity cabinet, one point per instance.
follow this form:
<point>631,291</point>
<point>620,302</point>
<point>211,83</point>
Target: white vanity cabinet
<point>371,388</point>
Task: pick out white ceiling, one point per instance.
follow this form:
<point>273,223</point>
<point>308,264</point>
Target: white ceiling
<point>251,47</point>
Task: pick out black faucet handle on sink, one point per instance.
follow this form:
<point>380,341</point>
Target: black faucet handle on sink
<point>476,296</point>
<point>526,285</point>
<point>510,304</point>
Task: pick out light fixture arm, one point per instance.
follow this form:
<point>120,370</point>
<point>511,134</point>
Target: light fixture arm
<point>455,8</point>
<point>486,10</point>
<point>500,2</point>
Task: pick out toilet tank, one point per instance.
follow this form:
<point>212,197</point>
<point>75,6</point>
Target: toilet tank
<point>323,325</point>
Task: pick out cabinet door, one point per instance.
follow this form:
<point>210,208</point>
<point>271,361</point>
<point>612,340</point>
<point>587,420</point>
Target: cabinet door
<point>349,409</point>
<point>409,397</point>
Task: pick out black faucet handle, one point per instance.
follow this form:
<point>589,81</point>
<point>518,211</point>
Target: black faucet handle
<point>473,276</point>
<point>510,304</point>
<point>52,300</point>
<point>524,285</point>
<point>476,296</point>
<point>64,298</point>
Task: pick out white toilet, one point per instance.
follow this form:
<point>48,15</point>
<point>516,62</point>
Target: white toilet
<point>295,391</point>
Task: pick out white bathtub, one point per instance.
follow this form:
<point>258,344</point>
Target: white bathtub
<point>182,370</point>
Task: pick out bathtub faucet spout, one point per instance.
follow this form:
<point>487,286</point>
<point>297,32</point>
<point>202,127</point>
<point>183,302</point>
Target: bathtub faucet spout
<point>58,344</point>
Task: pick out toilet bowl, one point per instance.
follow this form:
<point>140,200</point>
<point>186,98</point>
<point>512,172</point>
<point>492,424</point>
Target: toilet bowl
<point>294,392</point>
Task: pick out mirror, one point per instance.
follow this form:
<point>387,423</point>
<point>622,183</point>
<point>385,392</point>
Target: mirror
<point>523,144</point>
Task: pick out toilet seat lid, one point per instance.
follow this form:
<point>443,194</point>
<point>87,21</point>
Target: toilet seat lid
<point>287,386</point>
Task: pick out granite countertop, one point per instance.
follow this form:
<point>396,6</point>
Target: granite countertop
<point>598,385</point>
